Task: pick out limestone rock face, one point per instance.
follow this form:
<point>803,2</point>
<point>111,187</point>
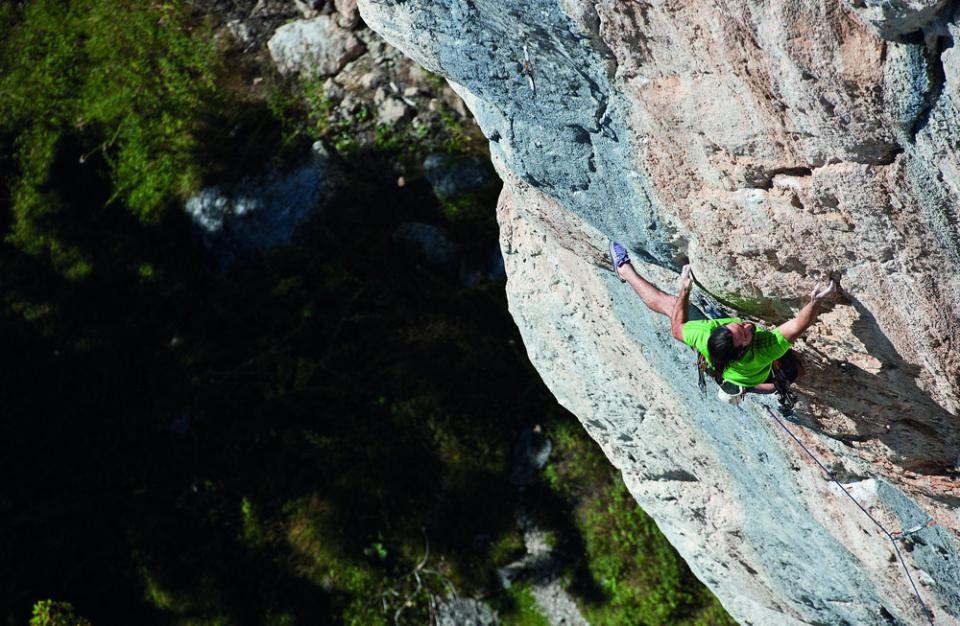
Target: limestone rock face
<point>769,144</point>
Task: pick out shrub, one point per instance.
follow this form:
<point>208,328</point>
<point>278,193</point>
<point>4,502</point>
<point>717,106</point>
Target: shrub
<point>54,613</point>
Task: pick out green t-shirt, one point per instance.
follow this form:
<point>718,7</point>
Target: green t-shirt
<point>753,367</point>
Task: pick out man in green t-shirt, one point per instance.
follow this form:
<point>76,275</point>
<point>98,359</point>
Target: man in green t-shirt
<point>736,351</point>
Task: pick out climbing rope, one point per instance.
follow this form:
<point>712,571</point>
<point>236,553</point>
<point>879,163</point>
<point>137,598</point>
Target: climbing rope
<point>891,536</point>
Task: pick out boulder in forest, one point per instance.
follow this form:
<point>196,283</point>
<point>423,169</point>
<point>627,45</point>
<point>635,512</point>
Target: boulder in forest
<point>530,454</point>
<point>348,15</point>
<point>261,212</point>
<point>392,111</point>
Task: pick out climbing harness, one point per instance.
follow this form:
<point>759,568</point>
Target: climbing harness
<point>787,398</point>
<point>893,537</point>
<point>735,394</point>
<point>728,393</point>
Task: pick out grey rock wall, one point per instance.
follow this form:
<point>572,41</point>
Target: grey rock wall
<point>770,144</point>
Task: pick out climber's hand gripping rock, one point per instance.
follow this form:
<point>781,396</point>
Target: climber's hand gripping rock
<point>823,291</point>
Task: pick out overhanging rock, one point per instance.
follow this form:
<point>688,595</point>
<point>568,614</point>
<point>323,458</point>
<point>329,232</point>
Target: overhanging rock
<point>768,144</point>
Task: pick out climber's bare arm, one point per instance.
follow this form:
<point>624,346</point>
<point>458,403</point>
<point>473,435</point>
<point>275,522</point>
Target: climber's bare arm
<point>792,330</point>
<point>678,316</point>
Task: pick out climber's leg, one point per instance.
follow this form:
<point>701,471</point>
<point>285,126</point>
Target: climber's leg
<point>653,297</point>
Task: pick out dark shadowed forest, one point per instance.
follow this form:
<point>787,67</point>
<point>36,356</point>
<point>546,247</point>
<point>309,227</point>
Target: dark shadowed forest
<point>320,433</point>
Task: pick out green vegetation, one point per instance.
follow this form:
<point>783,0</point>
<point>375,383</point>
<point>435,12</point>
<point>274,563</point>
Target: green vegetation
<point>466,208</point>
<point>520,608</point>
<point>53,613</point>
<point>132,92</point>
<point>406,142</point>
<point>319,437</point>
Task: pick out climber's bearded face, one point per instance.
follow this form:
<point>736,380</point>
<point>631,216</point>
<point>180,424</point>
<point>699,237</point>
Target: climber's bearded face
<point>742,333</point>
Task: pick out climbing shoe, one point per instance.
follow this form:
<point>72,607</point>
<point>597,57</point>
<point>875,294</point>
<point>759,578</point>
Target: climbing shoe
<point>618,256</point>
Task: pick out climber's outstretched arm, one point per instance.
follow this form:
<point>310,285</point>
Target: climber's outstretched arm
<point>678,316</point>
<point>808,314</point>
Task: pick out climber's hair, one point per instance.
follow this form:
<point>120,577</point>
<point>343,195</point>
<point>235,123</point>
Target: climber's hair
<point>722,351</point>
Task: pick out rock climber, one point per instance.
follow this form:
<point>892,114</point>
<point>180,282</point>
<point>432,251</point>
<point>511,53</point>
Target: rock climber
<point>742,358</point>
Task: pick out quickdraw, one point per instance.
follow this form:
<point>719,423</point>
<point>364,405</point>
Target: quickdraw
<point>701,372</point>
<point>900,535</point>
<point>526,69</point>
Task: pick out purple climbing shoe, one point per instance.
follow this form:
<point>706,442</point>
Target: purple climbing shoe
<point>618,256</point>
